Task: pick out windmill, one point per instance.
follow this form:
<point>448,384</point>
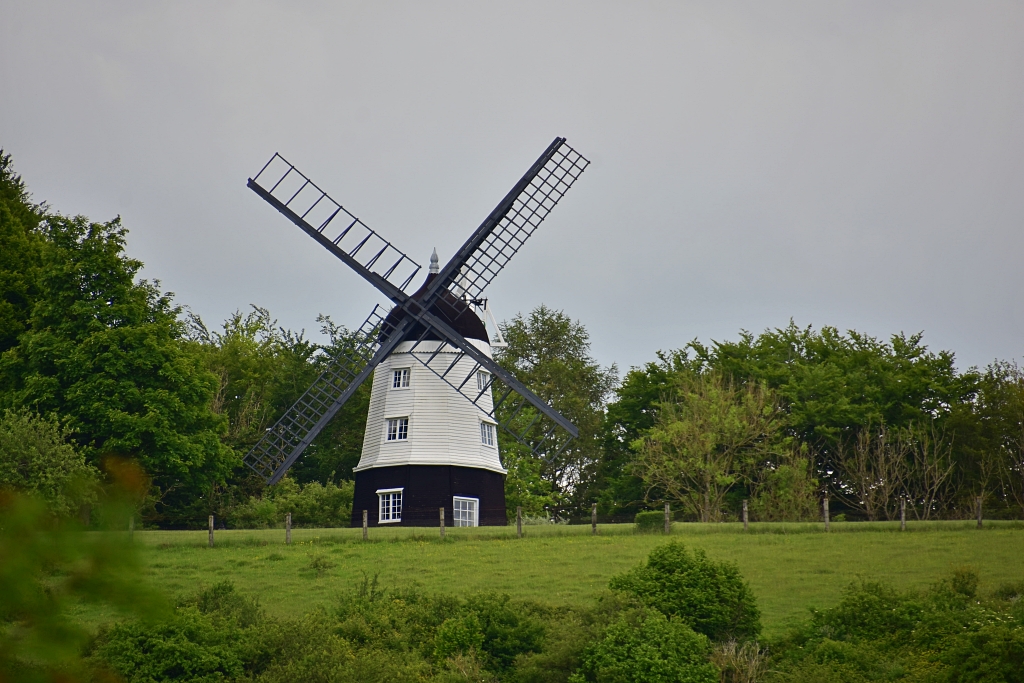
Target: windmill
<point>437,397</point>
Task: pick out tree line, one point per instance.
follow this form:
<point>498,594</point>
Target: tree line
<point>98,366</point>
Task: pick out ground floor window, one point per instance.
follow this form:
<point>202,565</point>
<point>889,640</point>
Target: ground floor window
<point>390,506</point>
<point>466,511</point>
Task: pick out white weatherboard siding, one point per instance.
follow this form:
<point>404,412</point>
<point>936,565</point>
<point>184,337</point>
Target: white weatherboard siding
<point>444,427</point>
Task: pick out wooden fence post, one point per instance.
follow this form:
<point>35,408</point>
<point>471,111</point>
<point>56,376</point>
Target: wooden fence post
<point>977,509</point>
<point>745,518</point>
<point>903,514</point>
<point>366,517</point>
<point>519,521</point>
<point>442,522</point>
<point>824,511</point>
<point>131,528</point>
<point>668,519</point>
<point>288,529</point>
<point>593,519</point>
<point>211,531</point>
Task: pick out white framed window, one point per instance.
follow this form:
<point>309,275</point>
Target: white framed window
<point>465,511</point>
<point>390,509</point>
<point>487,434</point>
<point>398,429</point>
<point>482,379</point>
<point>400,378</point>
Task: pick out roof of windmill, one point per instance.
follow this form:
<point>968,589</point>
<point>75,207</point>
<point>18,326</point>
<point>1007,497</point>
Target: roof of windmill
<point>450,308</point>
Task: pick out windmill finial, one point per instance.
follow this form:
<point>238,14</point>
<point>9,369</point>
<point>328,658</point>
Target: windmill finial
<point>434,268</point>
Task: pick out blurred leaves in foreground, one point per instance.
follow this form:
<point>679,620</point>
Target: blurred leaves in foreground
<point>50,564</point>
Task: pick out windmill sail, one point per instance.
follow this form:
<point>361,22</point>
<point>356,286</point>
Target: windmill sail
<point>513,221</point>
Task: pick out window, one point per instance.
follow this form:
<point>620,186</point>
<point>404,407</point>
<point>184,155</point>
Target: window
<point>487,433</point>
<point>465,511</point>
<point>400,379</point>
<point>482,380</point>
<point>390,506</point>
<point>398,429</point>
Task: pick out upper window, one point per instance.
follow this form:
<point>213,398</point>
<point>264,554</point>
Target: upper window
<point>487,433</point>
<point>482,380</point>
<point>398,429</point>
<point>390,509</point>
<point>400,379</point>
<point>465,511</point>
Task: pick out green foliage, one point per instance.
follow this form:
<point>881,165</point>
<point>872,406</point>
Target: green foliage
<point>710,597</point>
<point>105,352</point>
<point>653,649</point>
<point>550,353</point>
<point>312,505</point>
<point>786,490</point>
<point>877,633</point>
<point>36,458</point>
<point>48,567</point>
<point>708,432</point>
<point>651,521</point>
<point>21,248</point>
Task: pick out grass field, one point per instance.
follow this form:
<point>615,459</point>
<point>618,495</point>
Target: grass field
<point>790,567</point>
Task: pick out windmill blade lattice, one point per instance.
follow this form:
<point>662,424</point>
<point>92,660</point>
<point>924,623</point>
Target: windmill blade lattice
<point>520,220</point>
<point>312,209</point>
<point>283,443</point>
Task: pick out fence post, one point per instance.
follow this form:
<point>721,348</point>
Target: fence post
<point>131,528</point>
<point>824,511</point>
<point>903,514</point>
<point>211,531</point>
<point>668,519</point>
<point>442,522</point>
<point>365,518</point>
<point>593,519</point>
<point>977,509</point>
<point>288,529</point>
<point>746,519</point>
<point>519,521</point>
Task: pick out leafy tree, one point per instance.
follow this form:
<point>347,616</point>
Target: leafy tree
<point>631,414</point>
<point>20,254</point>
<point>36,458</point>
<point>704,432</point>
<point>711,597</point>
<point>550,353</point>
<point>105,352</point>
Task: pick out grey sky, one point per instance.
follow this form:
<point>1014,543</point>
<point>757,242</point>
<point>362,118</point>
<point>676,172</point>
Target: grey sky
<point>857,165</point>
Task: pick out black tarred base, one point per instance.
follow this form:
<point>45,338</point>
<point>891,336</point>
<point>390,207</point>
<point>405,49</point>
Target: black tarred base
<point>427,488</point>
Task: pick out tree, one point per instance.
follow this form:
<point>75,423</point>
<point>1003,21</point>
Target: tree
<point>705,432</point>
<point>106,353</point>
<point>20,254</point>
<point>634,411</point>
<point>35,458</point>
<point>550,353</point>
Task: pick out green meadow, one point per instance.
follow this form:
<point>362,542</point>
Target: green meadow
<point>791,567</point>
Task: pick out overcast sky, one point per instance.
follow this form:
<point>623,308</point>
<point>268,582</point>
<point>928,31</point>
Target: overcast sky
<point>857,165</point>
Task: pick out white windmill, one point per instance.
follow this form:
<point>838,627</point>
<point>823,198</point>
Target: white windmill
<point>431,433</point>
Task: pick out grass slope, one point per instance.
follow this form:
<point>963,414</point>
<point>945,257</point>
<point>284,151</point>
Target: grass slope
<point>790,567</point>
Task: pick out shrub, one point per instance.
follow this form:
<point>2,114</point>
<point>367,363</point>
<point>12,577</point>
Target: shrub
<point>709,596</point>
<point>36,458</point>
<point>656,650</point>
<point>312,505</point>
<point>650,522</point>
